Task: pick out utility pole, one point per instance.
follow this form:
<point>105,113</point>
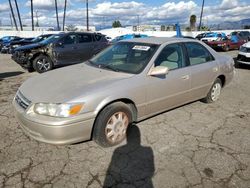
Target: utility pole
<point>11,21</point>
<point>13,15</point>
<point>57,20</point>
<point>138,22</point>
<point>87,8</point>
<point>32,16</point>
<point>37,24</point>
<point>18,14</point>
<point>64,13</point>
<point>201,14</point>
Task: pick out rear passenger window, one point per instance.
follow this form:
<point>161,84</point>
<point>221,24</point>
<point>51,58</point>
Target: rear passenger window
<point>171,56</point>
<point>85,38</point>
<point>198,54</point>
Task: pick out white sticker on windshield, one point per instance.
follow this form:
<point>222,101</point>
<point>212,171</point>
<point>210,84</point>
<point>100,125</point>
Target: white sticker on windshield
<point>144,48</point>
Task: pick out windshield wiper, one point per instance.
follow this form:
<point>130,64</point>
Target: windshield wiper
<point>108,66</point>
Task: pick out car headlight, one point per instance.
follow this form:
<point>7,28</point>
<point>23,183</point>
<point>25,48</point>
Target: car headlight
<point>57,110</point>
<point>243,49</point>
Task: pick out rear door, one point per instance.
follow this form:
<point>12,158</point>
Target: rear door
<point>203,68</point>
<point>85,47</point>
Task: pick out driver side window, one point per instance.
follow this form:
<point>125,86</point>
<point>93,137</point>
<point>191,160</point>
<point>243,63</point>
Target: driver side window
<point>171,56</point>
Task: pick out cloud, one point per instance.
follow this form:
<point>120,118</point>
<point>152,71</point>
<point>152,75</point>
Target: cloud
<point>46,4</point>
<point>5,7</point>
<point>228,4</point>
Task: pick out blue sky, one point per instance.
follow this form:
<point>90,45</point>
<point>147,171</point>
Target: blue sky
<point>104,12</point>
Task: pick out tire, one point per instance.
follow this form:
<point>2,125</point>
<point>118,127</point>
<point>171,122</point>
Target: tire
<point>42,63</point>
<point>111,124</point>
<point>214,92</point>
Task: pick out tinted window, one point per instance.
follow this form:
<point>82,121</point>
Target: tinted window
<point>171,56</point>
<point>85,38</point>
<point>70,39</point>
<point>198,54</point>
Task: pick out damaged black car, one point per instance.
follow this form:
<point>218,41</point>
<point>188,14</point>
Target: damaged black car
<point>59,50</point>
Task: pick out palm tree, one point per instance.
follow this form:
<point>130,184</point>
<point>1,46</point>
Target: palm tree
<point>18,13</point>
<point>192,22</point>
<point>13,15</point>
<point>57,20</point>
<point>32,16</point>
<point>201,14</point>
<point>64,13</point>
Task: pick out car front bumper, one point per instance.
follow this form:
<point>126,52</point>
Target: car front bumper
<point>243,58</point>
<point>53,130</point>
<point>21,59</point>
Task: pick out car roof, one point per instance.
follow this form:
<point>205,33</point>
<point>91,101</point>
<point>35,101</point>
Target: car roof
<point>159,40</point>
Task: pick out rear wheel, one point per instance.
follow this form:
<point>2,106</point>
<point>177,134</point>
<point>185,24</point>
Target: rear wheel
<point>111,124</point>
<point>214,92</point>
<point>42,63</point>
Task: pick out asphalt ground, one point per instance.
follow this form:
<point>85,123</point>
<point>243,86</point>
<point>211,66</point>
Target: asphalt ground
<point>196,145</point>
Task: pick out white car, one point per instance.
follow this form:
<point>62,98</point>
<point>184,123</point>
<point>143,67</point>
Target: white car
<point>244,54</point>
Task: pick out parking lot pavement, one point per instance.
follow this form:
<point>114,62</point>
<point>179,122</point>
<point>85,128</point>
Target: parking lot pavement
<point>196,145</point>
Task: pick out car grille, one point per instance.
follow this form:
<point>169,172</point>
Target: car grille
<point>22,101</point>
<point>243,58</point>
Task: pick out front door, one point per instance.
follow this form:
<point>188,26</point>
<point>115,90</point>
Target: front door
<point>67,50</point>
<point>171,90</point>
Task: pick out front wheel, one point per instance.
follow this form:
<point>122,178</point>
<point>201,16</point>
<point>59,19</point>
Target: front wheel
<point>42,63</point>
<point>111,124</point>
<point>214,92</point>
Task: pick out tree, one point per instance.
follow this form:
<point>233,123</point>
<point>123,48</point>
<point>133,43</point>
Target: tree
<point>116,23</point>
<point>187,29</point>
<point>247,27</point>
<point>192,22</point>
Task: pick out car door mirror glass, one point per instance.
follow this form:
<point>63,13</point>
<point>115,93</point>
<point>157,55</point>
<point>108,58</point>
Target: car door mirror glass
<point>159,71</point>
<point>60,44</point>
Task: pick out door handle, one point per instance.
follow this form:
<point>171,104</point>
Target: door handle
<point>186,77</point>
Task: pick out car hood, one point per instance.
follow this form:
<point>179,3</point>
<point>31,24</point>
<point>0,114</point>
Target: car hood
<point>247,45</point>
<point>69,83</point>
<point>29,47</point>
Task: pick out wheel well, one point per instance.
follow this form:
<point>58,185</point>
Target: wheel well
<point>223,79</point>
<point>129,102</point>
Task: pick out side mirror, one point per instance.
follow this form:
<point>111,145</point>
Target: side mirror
<point>159,71</point>
<point>60,44</point>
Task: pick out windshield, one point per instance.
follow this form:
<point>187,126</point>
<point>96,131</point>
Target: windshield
<point>37,39</point>
<point>51,39</point>
<point>129,57</point>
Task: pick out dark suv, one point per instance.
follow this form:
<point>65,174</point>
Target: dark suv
<point>59,49</point>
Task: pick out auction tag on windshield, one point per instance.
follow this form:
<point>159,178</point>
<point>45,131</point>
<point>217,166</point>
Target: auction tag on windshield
<point>144,48</point>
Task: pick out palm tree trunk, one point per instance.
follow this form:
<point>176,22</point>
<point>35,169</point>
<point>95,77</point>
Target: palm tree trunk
<point>64,13</point>
<point>18,13</point>
<point>201,15</point>
<point>57,20</point>
<point>13,15</point>
<point>32,16</point>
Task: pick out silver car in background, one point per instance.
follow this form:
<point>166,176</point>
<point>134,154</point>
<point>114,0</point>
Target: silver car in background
<point>127,82</point>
